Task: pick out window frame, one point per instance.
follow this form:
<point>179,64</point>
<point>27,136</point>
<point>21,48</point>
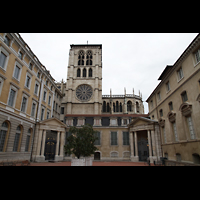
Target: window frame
<point>7,54</point>
<point>29,83</point>
<point>112,140</point>
<point>179,77</point>
<point>26,103</point>
<point>15,97</point>
<point>17,64</point>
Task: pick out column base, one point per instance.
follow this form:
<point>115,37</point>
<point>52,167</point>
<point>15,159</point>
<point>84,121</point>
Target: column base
<point>135,158</point>
<point>58,158</point>
<point>39,158</point>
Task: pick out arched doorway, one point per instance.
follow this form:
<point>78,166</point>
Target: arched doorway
<point>97,156</point>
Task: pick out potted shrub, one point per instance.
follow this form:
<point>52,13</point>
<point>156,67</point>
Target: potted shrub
<point>81,144</point>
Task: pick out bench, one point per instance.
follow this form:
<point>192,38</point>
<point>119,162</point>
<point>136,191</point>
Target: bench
<point>25,163</point>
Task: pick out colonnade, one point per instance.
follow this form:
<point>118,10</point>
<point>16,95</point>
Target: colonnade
<point>41,145</point>
<point>151,145</point>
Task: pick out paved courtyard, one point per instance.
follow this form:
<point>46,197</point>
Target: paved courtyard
<point>95,163</point>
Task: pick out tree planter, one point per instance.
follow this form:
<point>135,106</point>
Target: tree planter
<point>86,161</point>
<point>81,144</point>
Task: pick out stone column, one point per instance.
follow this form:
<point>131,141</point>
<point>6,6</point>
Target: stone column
<point>136,146</point>
<point>57,144</point>
<point>131,145</point>
<point>39,143</point>
<point>43,144</point>
<point>153,144</point>
<point>135,158</point>
<point>62,135</point>
<point>150,149</point>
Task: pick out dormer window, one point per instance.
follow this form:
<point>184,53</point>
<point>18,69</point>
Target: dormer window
<point>7,40</point>
<point>20,55</point>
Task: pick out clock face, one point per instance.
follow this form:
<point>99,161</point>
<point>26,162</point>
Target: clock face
<point>84,92</point>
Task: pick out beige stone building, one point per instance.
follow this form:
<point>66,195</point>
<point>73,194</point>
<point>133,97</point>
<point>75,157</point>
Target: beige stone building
<point>28,95</point>
<point>175,104</point>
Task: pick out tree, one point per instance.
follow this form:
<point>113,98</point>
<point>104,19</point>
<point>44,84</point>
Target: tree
<point>81,141</point>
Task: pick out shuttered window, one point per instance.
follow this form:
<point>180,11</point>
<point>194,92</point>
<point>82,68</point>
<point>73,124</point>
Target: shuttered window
<point>113,138</point>
<point>191,128</point>
<point>125,138</point>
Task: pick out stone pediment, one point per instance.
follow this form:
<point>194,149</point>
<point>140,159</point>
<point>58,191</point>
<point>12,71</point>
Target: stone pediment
<point>53,122</point>
<point>141,123</point>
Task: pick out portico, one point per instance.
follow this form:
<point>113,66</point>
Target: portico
<point>49,140</point>
<point>144,140</point>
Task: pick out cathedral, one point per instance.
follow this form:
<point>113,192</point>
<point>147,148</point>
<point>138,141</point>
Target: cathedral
<point>110,115</point>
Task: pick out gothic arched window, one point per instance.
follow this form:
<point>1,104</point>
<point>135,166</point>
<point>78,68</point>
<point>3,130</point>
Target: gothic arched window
<point>129,106</point>
<point>84,72</point>
<point>90,72</point>
<point>81,58</point>
<point>120,107</point>
<point>108,107</point>
<point>78,72</point>
<point>137,107</point>
<point>104,106</point>
<point>89,58</point>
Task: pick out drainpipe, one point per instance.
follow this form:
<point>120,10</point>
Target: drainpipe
<point>159,128</point>
<point>36,120</point>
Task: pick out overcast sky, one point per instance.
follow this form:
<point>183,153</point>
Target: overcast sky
<point>131,60</point>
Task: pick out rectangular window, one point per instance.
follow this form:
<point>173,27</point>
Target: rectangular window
<point>16,73</point>
<point>125,138</point>
<point>180,73</point>
<point>191,128</point>
<point>20,55</point>
<point>62,110</point>
<point>161,113</point>
<point>44,96</point>
<point>47,115</point>
<point>170,106</point>
<point>184,96</point>
<point>97,142</point>
<point>42,114</point>
<point>33,110</point>
<point>175,131</point>
<point>28,78</point>
<point>23,107</point>
<point>197,55</point>
<point>2,60</point>
<point>159,96</point>
<point>167,86</point>
<point>49,102</point>
<point>113,138</point>
<point>30,66</point>
<point>7,40</point>
<point>36,89</point>
<point>11,98</point>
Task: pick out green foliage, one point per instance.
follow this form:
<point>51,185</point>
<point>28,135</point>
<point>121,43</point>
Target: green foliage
<point>81,142</point>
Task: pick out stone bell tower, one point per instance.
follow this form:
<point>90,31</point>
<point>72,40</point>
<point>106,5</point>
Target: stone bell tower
<point>83,93</point>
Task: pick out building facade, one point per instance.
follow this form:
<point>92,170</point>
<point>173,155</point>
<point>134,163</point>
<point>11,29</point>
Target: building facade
<point>28,94</point>
<point>175,104</point>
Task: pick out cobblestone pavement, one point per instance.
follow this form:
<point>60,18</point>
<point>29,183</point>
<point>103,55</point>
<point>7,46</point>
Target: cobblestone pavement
<point>95,163</point>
